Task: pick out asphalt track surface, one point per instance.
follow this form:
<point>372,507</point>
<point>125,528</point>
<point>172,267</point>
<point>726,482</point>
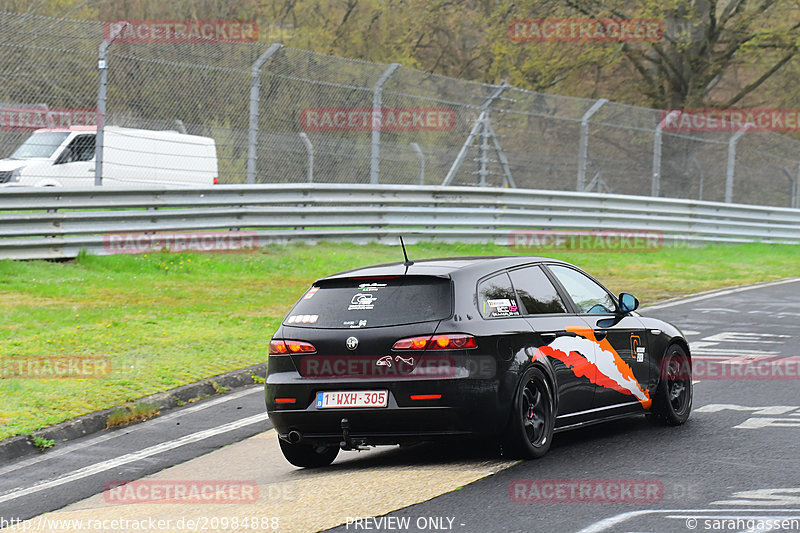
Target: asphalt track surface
<point>734,466</point>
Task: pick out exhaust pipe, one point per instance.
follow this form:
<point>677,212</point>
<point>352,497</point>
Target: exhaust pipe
<point>295,436</point>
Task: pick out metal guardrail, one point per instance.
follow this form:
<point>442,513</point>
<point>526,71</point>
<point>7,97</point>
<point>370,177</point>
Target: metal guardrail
<point>58,223</point>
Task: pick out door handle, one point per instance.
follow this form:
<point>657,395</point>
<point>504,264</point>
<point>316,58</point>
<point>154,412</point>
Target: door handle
<point>600,334</point>
<point>554,334</point>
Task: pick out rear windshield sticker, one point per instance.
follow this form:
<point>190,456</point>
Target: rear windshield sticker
<point>353,325</point>
<point>371,287</point>
<point>501,307</point>
<point>362,302</point>
<point>311,292</point>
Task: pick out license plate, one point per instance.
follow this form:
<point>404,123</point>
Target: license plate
<point>345,399</point>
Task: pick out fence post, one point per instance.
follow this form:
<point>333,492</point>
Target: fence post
<point>310,151</point>
<point>255,86</point>
<point>102,66</point>
<point>421,158</point>
<point>377,116</point>
<point>583,148</point>
<point>796,195</point>
<point>732,161</point>
<point>655,189</point>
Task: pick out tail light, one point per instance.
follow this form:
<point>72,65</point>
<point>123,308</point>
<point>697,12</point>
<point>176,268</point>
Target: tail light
<point>216,180</point>
<point>453,341</point>
<point>280,347</point>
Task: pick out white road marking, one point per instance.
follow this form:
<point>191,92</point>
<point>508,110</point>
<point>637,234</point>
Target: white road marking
<point>611,523</point>
<point>132,457</point>
<point>69,448</point>
<point>702,350</point>
<point>714,294</point>
<point>759,423</point>
<point>771,410</point>
<point>767,497</point>
<point>734,336</point>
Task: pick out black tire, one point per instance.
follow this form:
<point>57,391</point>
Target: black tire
<point>530,430</point>
<point>308,456</point>
<point>672,401</point>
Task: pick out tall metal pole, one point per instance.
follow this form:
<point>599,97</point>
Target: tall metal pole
<point>102,66</point>
<point>310,152</point>
<point>255,87</point>
<point>421,158</point>
<point>655,188</point>
<point>377,118</point>
<point>796,197</point>
<point>732,161</point>
<point>583,148</point>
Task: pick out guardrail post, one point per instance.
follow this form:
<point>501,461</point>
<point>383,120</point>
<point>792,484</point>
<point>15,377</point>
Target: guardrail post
<point>102,66</point>
<point>310,151</point>
<point>583,148</point>
<point>421,158</point>
<point>732,161</point>
<point>655,189</point>
<point>377,116</point>
<point>255,87</point>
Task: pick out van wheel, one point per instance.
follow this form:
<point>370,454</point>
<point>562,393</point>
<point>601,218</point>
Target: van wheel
<point>308,456</point>
<point>672,401</point>
<point>530,430</point>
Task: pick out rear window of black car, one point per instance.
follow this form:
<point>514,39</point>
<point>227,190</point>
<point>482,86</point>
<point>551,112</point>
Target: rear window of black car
<point>373,302</point>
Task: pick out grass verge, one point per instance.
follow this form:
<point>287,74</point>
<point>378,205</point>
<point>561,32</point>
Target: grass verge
<point>164,320</point>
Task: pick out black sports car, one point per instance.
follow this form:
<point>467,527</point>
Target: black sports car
<point>510,347</point>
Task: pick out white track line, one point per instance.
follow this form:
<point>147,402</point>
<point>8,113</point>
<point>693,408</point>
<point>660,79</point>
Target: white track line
<point>714,294</point>
<point>69,448</point>
<point>132,457</point>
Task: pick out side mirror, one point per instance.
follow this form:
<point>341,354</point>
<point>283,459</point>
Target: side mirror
<point>627,302</point>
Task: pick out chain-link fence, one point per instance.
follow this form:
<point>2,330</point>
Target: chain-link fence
<point>278,114</point>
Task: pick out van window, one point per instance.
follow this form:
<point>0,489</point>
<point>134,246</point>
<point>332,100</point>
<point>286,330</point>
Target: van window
<point>40,144</point>
<point>81,148</point>
<point>374,302</point>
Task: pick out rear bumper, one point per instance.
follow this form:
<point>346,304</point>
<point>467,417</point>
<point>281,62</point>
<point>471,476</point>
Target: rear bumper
<point>467,407</point>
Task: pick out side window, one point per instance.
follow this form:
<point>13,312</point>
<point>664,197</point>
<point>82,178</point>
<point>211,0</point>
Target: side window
<point>80,149</point>
<point>536,292</point>
<point>496,297</point>
<point>83,147</point>
<point>589,296</point>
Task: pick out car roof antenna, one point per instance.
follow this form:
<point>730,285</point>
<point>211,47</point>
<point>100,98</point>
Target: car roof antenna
<point>407,263</point>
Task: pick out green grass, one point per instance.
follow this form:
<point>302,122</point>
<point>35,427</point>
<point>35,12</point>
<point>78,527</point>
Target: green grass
<point>165,320</point>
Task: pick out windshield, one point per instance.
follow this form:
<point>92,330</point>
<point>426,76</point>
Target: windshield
<point>40,144</point>
<point>375,302</point>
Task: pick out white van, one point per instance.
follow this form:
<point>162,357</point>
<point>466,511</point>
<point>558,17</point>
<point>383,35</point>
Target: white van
<point>131,157</point>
